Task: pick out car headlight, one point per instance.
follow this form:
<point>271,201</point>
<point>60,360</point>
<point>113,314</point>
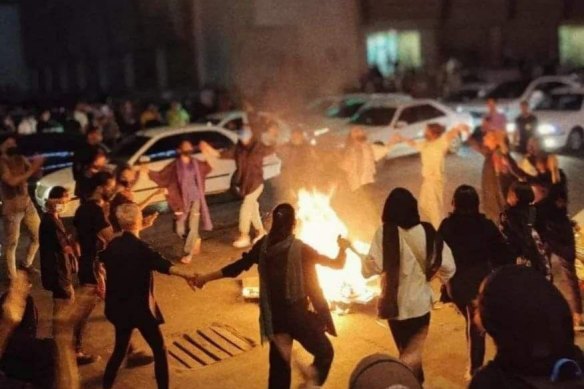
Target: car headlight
<point>511,128</point>
<point>546,129</point>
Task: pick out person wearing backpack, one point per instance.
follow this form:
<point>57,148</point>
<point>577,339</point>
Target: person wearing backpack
<point>478,247</point>
<point>408,254</point>
<point>531,325</point>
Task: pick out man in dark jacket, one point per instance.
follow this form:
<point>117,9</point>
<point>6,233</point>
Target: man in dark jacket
<point>129,301</point>
<point>84,157</point>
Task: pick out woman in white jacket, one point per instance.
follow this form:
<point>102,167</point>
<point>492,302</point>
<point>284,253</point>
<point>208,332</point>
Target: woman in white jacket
<point>408,254</point>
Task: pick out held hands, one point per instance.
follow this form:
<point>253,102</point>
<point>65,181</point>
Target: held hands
<point>197,281</point>
<point>343,243</point>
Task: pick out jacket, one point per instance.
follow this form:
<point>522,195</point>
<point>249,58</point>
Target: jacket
<point>129,264</point>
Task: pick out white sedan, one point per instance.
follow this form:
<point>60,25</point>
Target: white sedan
<point>157,148</point>
<point>561,120</point>
<point>382,119</point>
<point>234,121</point>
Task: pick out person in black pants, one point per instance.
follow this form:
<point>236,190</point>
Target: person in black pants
<point>288,285</point>
<point>477,247</point>
<point>129,300</point>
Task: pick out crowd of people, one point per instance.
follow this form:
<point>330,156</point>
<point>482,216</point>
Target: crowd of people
<point>116,119</point>
<point>522,246</point>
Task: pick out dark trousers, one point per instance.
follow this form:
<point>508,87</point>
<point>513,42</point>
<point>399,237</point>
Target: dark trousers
<point>409,336</point>
<point>153,336</point>
<point>475,338</point>
<point>312,337</point>
<point>566,280</point>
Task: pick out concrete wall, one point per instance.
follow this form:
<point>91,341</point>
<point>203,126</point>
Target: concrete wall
<point>282,51</point>
<point>13,71</point>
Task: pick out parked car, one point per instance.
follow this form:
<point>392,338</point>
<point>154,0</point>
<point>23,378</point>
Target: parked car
<point>561,120</point>
<point>384,118</point>
<point>333,112</point>
<point>510,94</point>
<point>156,148</point>
<point>234,121</point>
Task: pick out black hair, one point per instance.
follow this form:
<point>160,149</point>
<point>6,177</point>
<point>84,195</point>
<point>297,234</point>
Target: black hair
<point>524,193</point>
<point>283,220</point>
<point>466,200</point>
<point>121,169</point>
<point>57,192</point>
<point>401,208</point>
<point>99,179</point>
<point>92,129</point>
<point>529,320</point>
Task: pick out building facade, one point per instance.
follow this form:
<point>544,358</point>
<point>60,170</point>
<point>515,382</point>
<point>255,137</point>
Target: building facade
<point>275,48</point>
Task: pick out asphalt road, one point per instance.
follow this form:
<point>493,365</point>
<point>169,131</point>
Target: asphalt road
<point>360,333</point>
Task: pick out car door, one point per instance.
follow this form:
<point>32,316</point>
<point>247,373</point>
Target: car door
<point>219,179</point>
<point>158,154</point>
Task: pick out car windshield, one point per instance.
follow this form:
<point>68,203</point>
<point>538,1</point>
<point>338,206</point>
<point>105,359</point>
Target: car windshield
<point>127,148</point>
<point>374,116</point>
<point>345,109</point>
<point>508,90</point>
<point>561,102</point>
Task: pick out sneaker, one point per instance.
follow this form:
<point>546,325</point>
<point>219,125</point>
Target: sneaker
<point>438,305</point>
<point>242,242</point>
<point>85,359</point>
<point>186,259</point>
<point>137,359</point>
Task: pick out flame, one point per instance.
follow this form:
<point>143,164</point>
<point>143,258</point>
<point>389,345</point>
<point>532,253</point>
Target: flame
<point>319,227</point>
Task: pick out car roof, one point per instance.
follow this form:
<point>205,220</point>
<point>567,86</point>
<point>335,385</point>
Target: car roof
<point>170,131</point>
<point>396,103</point>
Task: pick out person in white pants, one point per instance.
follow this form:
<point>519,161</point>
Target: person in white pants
<point>433,151</point>
<point>247,182</point>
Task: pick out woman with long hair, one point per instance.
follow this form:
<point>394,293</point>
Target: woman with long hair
<point>531,326</point>
<point>478,247</point>
<point>407,253</point>
<point>292,305</point>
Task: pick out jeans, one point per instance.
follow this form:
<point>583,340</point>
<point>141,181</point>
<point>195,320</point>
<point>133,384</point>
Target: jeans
<point>249,213</point>
<point>61,305</point>
<point>312,337</point>
<point>565,279</point>
<point>12,223</point>
<point>409,336</point>
<point>474,337</point>
<point>153,336</point>
<point>193,218</point>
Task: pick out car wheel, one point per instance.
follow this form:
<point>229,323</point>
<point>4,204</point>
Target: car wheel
<point>455,145</point>
<point>575,140</point>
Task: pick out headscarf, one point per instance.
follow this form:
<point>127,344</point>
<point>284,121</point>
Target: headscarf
<point>529,321</point>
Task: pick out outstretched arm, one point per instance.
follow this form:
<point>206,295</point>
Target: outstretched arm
<point>233,270</point>
<point>457,131</point>
<point>338,263</point>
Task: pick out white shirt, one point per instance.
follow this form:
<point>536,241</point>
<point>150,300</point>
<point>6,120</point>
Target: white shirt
<point>27,127</point>
<point>433,154</point>
<point>414,292</point>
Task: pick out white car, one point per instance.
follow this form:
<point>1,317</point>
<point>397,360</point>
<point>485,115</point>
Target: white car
<point>561,120</point>
<point>157,148</point>
<point>333,112</point>
<point>510,94</point>
<point>235,121</point>
<point>382,119</point>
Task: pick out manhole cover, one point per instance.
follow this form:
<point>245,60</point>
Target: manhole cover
<point>205,347</point>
